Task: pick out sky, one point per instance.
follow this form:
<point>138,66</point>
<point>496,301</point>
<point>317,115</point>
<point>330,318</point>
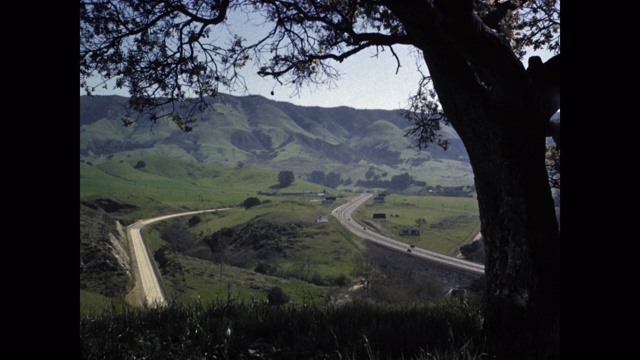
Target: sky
<point>366,81</point>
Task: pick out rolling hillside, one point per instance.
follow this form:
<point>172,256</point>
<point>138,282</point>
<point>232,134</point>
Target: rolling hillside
<point>257,131</point>
<point>279,242</point>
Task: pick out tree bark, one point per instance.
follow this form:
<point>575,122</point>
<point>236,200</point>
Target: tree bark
<point>494,111</point>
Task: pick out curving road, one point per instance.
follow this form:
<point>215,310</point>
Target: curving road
<point>343,214</point>
<point>154,295</point>
<point>148,281</point>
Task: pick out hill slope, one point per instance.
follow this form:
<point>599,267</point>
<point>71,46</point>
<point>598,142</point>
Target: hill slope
<point>276,135</point>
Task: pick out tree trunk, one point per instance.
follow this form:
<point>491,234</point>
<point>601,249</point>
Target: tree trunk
<point>519,227</point>
<point>506,147</point>
<point>518,224</point>
<point>486,95</point>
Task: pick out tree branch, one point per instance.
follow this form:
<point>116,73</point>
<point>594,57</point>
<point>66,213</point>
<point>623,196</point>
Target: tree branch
<point>490,55</point>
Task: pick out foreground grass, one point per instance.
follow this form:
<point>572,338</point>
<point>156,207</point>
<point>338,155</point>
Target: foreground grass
<point>450,329</point>
<point>207,282</point>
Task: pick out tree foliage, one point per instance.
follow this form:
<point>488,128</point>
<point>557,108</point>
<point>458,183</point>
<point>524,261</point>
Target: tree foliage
<point>317,176</point>
<point>285,178</point>
<point>333,179</point>
<point>553,165</point>
<point>251,202</point>
<point>172,55</point>
<point>402,181</point>
<point>194,220</point>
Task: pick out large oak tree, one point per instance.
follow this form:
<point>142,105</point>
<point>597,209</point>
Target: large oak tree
<point>170,56</point>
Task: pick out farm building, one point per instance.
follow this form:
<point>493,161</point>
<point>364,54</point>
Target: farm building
<point>410,232</point>
<point>329,200</point>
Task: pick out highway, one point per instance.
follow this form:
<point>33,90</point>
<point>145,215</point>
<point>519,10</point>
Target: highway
<point>148,281</point>
<point>343,214</point>
<point>154,295</point>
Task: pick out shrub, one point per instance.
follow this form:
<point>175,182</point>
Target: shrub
<point>251,202</point>
<point>194,220</point>
<point>276,296</point>
<point>341,280</point>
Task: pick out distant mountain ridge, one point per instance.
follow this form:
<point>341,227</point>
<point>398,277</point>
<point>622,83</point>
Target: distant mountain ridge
<point>255,130</point>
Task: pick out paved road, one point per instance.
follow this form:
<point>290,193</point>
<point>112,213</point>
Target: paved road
<point>153,294</point>
<point>343,214</point>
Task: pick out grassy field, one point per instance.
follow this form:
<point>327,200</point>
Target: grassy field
<point>323,250</point>
<point>450,330</point>
<point>449,222</point>
<point>206,282</point>
<point>92,303</point>
<point>166,185</point>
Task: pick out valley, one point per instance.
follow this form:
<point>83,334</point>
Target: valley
<point>144,171</point>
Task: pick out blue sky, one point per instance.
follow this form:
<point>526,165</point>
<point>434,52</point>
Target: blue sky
<point>366,82</point>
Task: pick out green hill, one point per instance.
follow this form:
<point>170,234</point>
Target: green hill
<point>275,135</point>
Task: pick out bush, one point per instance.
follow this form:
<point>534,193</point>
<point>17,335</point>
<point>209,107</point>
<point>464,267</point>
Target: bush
<point>251,202</point>
<point>264,268</point>
<point>276,296</point>
<point>341,280</point>
<point>194,220</point>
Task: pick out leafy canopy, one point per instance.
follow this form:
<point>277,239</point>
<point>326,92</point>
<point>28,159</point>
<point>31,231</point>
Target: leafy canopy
<point>172,55</point>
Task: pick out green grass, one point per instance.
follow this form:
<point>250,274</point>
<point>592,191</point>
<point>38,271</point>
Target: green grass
<point>450,221</point>
<point>235,329</point>
<point>167,185</point>
<point>206,281</point>
<point>322,250</point>
<point>92,303</point>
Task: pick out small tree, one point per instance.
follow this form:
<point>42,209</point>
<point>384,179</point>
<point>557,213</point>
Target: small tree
<point>401,182</point>
<point>285,178</point>
<point>369,174</point>
<point>194,220</point>
<point>251,202</point>
<point>317,176</point>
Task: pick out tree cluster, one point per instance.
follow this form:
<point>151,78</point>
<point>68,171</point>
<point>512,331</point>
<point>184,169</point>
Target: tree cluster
<point>331,179</point>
